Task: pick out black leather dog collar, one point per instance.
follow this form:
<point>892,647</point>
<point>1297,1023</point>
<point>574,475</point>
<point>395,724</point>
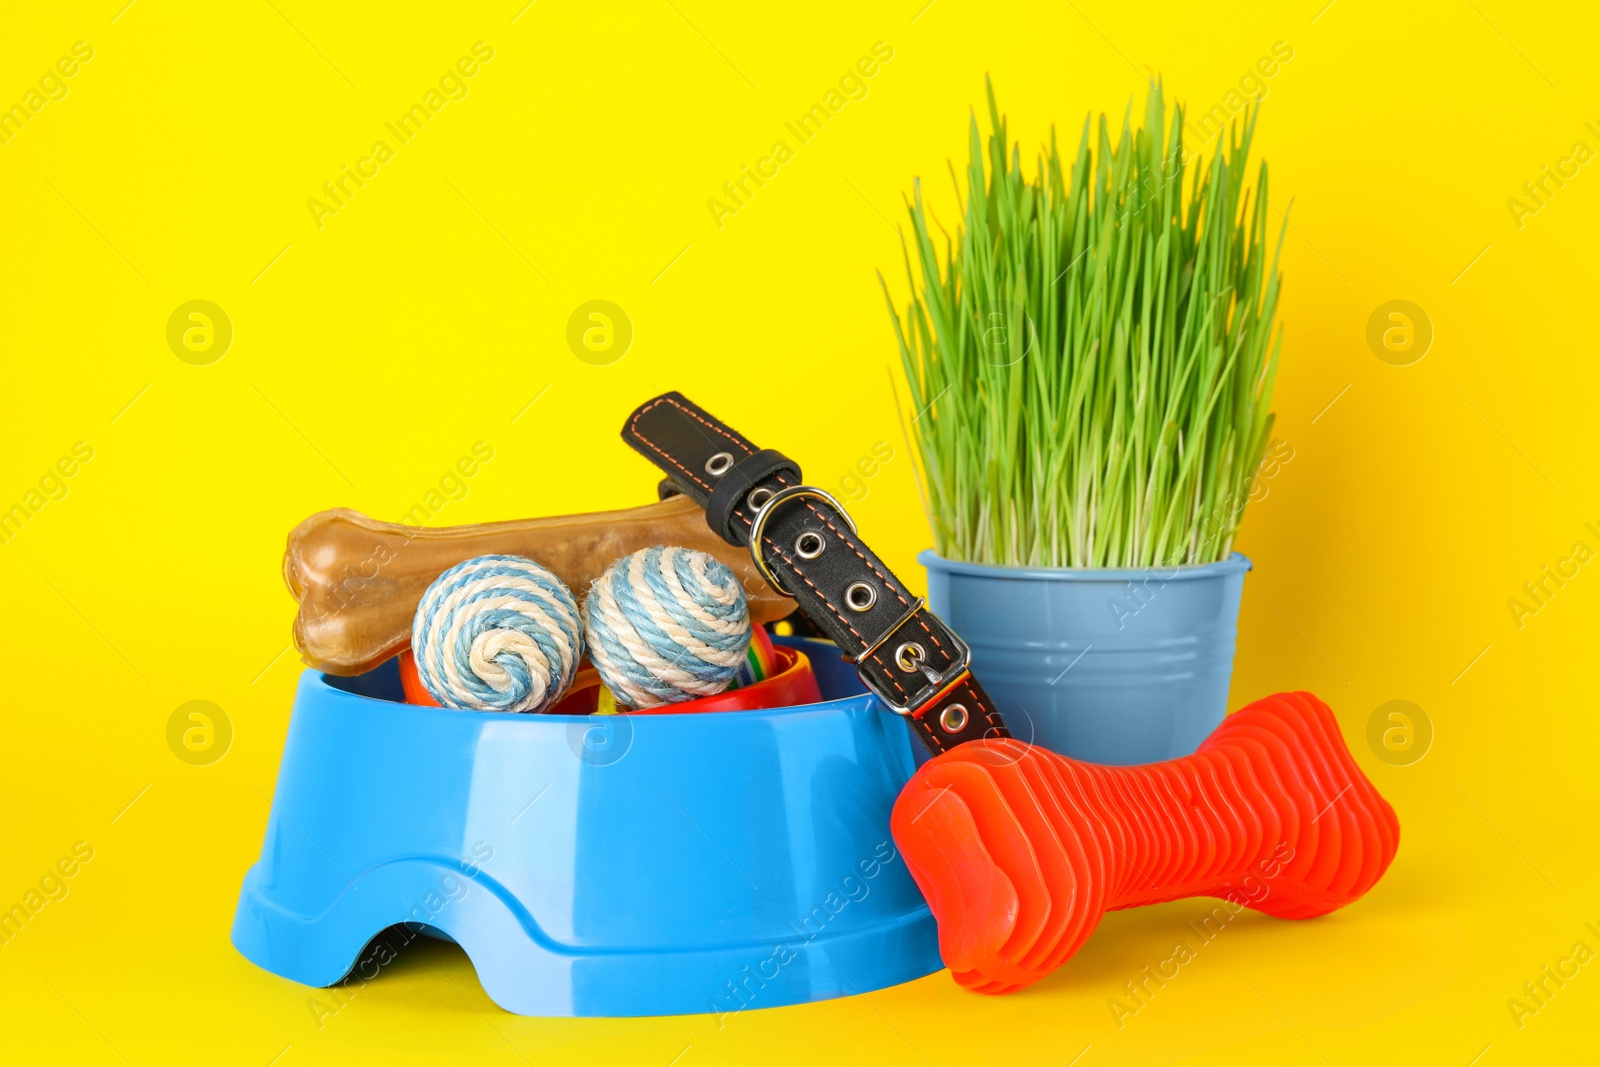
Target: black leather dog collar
<point>805,544</point>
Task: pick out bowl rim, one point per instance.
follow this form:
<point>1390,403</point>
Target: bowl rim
<point>326,687</point>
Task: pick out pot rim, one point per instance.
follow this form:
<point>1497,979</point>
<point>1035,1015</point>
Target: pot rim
<point>1236,563</point>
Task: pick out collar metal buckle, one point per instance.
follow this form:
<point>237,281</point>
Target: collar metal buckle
<point>938,681</point>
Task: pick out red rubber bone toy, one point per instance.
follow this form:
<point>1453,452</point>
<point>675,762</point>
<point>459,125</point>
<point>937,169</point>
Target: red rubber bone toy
<point>1021,851</point>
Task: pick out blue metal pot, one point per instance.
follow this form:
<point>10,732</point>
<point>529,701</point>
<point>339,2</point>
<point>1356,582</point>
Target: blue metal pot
<point>1108,666</point>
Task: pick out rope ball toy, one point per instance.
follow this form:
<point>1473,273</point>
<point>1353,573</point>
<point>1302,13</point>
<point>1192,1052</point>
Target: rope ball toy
<point>497,633</point>
<point>665,625</point>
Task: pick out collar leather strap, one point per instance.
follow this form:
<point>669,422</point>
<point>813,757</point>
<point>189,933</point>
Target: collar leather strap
<point>806,545</point>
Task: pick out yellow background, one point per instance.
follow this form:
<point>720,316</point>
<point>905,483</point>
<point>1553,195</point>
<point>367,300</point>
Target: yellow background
<point>431,310</point>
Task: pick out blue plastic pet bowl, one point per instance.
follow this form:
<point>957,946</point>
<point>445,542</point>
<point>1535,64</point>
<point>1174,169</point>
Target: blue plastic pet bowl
<point>617,865</point>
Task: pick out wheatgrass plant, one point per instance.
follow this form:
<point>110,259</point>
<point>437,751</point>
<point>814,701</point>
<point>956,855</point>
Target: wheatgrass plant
<point>1091,358</point>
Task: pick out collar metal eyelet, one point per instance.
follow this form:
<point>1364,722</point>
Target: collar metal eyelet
<point>909,656</point>
<point>860,596</point>
<point>809,545</point>
<point>953,719</point>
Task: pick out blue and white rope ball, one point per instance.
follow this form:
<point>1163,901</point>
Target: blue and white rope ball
<point>497,633</point>
<point>665,625</point>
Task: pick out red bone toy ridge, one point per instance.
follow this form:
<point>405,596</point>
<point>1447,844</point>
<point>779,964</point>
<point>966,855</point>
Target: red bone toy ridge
<point>1020,851</point>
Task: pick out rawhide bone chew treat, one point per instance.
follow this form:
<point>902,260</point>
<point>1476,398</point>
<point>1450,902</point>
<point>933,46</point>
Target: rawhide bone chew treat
<point>358,580</point>
<point>1020,851</point>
